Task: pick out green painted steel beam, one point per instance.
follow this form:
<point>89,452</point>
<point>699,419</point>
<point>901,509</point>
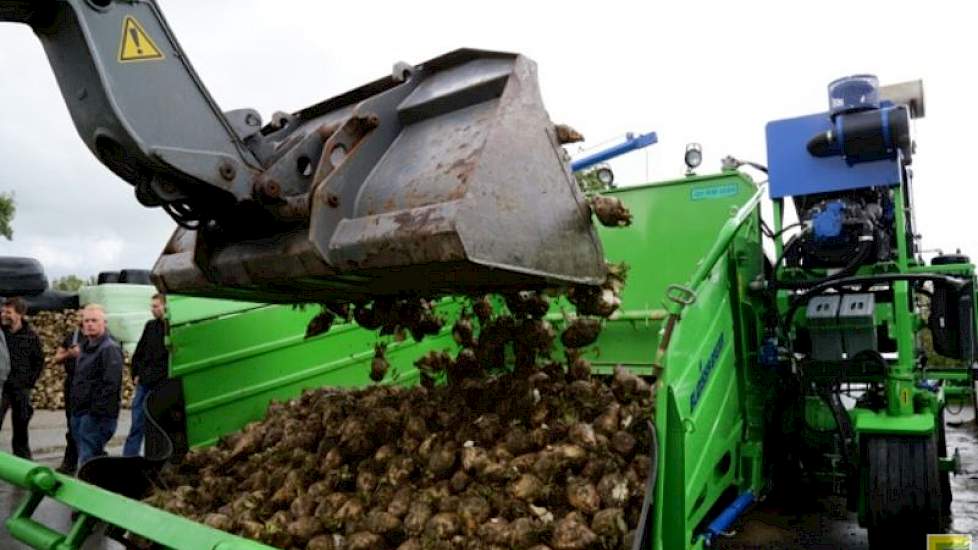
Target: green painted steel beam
<point>965,270</point>
<point>134,516</point>
<point>962,374</point>
<point>872,422</point>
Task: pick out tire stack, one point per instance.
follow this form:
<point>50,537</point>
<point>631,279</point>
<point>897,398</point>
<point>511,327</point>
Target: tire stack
<point>25,277</point>
<point>21,277</point>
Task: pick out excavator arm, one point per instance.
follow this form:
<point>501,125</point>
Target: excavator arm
<point>444,177</point>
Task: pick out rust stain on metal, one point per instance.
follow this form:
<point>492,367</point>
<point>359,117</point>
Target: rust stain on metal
<point>348,135</point>
<point>227,170</point>
<point>293,208</point>
<point>268,188</point>
<point>332,200</point>
<point>463,167</point>
<point>410,220</point>
<point>326,131</point>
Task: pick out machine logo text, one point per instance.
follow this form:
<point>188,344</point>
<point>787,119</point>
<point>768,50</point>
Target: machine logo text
<point>705,370</point>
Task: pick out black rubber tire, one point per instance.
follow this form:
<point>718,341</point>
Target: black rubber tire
<point>903,491</point>
<point>135,277</point>
<point>51,300</point>
<point>108,277</point>
<point>21,277</point>
<point>946,259</point>
<point>945,477</point>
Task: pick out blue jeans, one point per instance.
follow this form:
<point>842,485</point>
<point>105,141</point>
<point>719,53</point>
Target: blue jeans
<point>92,433</point>
<point>135,440</point>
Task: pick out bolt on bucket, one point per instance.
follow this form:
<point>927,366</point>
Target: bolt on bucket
<point>446,178</point>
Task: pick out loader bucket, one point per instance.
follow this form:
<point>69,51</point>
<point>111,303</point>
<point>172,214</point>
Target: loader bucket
<point>445,179</point>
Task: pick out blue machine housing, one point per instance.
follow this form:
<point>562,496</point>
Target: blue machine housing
<point>861,142</point>
<point>793,171</point>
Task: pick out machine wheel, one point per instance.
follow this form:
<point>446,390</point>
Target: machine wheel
<point>945,477</point>
<point>902,487</point>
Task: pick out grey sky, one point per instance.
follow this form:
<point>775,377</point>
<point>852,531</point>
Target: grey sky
<point>709,72</point>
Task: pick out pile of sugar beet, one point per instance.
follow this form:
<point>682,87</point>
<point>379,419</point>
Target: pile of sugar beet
<point>504,444</point>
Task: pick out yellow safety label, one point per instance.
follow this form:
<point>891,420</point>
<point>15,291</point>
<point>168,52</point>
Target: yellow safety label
<point>949,542</point>
<point>905,396</point>
<point>136,45</point>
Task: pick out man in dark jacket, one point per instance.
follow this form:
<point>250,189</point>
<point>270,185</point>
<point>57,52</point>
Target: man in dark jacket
<point>67,356</point>
<point>149,370</point>
<point>4,360</point>
<point>96,388</point>
<point>26,363</point>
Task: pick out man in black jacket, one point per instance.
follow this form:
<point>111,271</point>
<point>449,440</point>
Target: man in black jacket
<point>97,386</point>
<point>67,356</point>
<point>149,370</point>
<point>26,363</point>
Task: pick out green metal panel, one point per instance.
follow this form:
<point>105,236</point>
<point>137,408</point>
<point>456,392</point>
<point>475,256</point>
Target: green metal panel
<point>702,368</point>
<point>867,421</point>
<point>672,231</point>
<point>709,367</point>
<point>233,365</point>
<point>709,379</point>
<point>185,309</point>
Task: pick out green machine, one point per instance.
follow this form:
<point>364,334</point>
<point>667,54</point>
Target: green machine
<point>805,368</point>
<point>691,322</point>
<point>854,303</point>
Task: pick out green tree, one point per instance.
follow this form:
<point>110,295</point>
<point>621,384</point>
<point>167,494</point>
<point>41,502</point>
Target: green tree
<point>7,211</point>
<point>70,283</point>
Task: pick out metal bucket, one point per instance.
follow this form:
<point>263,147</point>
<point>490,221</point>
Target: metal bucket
<point>445,178</point>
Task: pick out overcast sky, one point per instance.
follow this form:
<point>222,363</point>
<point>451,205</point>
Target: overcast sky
<point>713,73</point>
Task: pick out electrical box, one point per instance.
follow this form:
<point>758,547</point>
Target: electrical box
<point>841,325</point>
<point>857,322</point>
<point>822,314</point>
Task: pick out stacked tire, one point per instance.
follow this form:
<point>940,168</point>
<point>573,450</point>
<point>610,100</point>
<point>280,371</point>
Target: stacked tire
<point>125,277</point>
<point>21,277</point>
<point>51,300</point>
<point>25,277</point>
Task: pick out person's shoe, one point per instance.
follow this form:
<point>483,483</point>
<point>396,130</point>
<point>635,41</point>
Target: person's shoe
<point>66,469</point>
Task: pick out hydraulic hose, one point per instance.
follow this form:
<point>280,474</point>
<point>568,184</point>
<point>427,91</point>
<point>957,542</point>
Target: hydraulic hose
<point>821,287</point>
<point>643,534</point>
<point>859,257</point>
<point>842,421</point>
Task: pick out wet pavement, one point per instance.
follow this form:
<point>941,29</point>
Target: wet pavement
<point>823,523</point>
<point>47,438</point>
<point>962,434</point>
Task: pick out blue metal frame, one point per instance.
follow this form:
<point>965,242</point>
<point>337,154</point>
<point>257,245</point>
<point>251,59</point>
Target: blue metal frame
<point>631,144</point>
<point>793,171</point>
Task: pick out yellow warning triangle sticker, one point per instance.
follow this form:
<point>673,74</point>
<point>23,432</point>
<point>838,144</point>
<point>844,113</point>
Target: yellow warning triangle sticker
<point>136,44</point>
